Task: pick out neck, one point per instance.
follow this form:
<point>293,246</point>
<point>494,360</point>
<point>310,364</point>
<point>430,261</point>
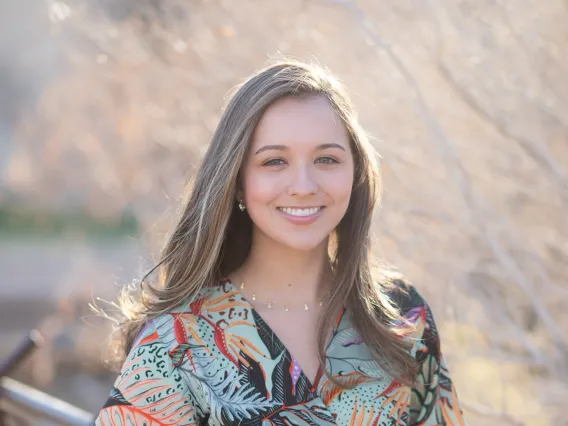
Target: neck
<point>277,271</point>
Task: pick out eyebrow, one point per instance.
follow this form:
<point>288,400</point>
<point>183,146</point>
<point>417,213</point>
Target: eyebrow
<point>284,147</point>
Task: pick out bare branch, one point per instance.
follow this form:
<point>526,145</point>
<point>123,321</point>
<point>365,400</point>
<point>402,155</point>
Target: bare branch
<point>539,152</point>
<point>477,203</point>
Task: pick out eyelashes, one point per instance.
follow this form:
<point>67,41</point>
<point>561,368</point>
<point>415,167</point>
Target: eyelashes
<point>328,160</point>
<point>280,161</point>
<point>274,162</point>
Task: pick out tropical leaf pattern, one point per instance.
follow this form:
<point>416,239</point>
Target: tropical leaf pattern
<point>215,361</point>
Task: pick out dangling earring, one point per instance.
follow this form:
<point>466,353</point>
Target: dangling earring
<point>242,205</point>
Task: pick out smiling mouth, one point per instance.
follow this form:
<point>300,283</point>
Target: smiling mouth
<point>301,212</point>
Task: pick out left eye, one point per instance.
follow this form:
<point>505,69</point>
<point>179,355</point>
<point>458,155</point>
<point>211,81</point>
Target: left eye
<point>327,160</point>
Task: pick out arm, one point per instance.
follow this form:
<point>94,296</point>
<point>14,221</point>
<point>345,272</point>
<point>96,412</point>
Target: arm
<point>149,390</point>
<point>433,397</point>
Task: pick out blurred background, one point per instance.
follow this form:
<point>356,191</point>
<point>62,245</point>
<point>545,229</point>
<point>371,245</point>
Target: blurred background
<point>107,106</point>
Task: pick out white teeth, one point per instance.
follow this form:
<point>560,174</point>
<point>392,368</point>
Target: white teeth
<point>300,212</point>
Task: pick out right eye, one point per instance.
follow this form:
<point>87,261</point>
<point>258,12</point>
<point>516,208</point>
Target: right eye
<point>274,162</point>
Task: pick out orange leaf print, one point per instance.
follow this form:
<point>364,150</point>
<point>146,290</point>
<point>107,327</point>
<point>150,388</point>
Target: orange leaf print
<point>359,416</point>
<point>122,415</point>
<point>452,415</point>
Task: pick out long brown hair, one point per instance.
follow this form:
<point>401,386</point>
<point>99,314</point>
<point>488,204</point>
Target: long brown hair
<point>213,238</point>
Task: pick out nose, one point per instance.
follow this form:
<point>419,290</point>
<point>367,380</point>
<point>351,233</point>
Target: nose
<point>302,182</point>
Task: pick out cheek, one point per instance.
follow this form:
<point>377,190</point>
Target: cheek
<point>260,188</point>
<point>340,187</point>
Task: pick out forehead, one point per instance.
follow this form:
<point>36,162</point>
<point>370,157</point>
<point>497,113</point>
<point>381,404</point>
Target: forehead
<point>294,121</point>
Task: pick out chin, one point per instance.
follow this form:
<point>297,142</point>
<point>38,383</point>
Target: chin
<point>303,244</point>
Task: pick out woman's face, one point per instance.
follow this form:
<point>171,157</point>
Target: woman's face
<point>298,176</point>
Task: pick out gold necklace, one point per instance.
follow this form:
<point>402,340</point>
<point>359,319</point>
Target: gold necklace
<point>270,303</point>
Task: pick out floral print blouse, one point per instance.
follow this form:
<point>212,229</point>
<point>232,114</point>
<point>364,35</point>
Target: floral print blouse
<point>216,362</point>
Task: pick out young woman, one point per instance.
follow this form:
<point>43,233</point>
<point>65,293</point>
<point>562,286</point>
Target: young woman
<point>268,311</point>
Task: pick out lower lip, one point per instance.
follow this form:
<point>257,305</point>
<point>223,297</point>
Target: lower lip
<point>301,220</point>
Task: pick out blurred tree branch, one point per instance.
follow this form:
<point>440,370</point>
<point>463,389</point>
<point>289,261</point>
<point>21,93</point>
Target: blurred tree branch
<point>480,208</point>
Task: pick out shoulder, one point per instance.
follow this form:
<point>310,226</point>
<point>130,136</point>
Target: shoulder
<point>414,308</point>
<point>405,296</point>
<point>174,326</point>
<point>197,327</point>
<point>401,293</point>
<point>201,302</point>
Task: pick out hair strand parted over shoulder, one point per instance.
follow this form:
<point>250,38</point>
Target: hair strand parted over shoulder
<point>212,239</point>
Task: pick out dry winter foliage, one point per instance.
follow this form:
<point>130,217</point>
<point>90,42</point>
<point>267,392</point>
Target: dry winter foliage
<point>468,103</point>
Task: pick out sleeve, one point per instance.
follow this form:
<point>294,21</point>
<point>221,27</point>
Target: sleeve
<point>433,400</point>
<point>150,390</point>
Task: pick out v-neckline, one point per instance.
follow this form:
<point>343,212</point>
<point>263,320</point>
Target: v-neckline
<point>313,385</point>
